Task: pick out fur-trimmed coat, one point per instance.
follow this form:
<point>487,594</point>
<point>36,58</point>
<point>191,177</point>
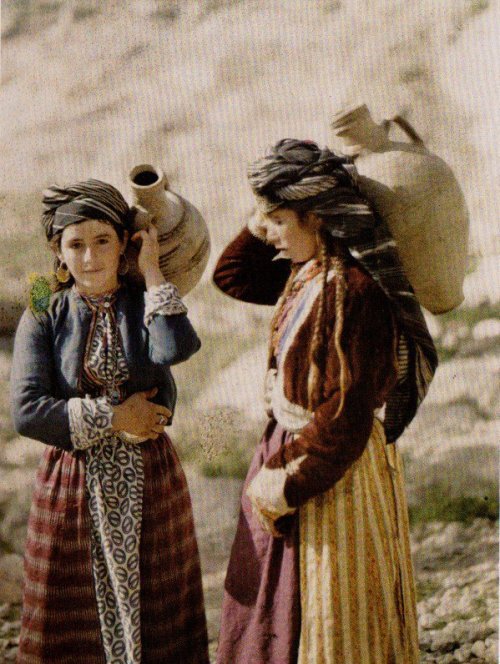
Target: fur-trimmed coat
<point>323,447</point>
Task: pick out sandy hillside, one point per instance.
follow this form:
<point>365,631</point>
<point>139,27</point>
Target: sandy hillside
<point>202,87</point>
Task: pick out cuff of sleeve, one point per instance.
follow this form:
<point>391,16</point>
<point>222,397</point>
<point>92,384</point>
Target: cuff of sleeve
<point>162,300</point>
<point>89,421</point>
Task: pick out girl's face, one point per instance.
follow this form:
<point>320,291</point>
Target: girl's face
<point>91,250</point>
<point>295,240</point>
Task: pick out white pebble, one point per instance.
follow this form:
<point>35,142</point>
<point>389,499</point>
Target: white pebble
<point>478,649</point>
<point>447,659</point>
<point>428,621</point>
<point>462,654</point>
<point>492,653</point>
<point>443,641</point>
<point>493,624</point>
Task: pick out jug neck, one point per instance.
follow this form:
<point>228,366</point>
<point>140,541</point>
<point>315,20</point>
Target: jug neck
<point>358,132</point>
<point>148,186</point>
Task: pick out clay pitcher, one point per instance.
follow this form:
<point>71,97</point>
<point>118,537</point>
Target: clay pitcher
<point>418,196</point>
<point>182,231</point>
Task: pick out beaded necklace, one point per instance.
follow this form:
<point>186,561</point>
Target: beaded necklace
<point>306,273</point>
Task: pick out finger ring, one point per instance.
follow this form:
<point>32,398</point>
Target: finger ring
<point>162,421</point>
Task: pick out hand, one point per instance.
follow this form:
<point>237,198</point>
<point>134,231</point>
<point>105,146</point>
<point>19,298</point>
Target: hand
<point>148,259</point>
<point>257,226</point>
<point>265,520</point>
<point>140,417</point>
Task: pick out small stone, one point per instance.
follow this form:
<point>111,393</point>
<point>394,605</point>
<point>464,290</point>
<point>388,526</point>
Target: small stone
<point>425,640</point>
<point>462,654</point>
<point>492,653</point>
<point>478,649</point>
<point>465,632</point>
<point>443,641</point>
<point>447,659</point>
<point>428,621</point>
<point>493,624</point>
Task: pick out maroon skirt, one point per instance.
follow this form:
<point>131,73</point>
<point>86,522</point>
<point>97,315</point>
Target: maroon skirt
<point>260,621</point>
<point>60,622</point>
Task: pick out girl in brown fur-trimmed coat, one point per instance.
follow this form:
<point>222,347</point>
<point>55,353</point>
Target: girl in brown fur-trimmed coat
<point>320,570</point>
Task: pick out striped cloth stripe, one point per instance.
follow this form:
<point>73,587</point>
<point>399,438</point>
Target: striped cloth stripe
<point>357,590</point>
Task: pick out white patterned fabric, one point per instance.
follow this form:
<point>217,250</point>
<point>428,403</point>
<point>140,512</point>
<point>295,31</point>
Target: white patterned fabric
<point>162,300</point>
<point>114,477</point>
<point>89,421</point>
<point>105,363</point>
<point>115,481</point>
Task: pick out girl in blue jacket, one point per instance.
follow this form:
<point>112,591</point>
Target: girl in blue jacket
<point>112,569</point>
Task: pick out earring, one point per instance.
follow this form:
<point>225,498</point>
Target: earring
<point>63,275</point>
<point>123,266</point>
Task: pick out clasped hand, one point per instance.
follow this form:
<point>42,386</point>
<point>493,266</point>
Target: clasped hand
<point>139,416</point>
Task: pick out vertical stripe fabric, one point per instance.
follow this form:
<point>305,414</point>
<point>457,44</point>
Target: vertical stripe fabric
<point>357,590</point>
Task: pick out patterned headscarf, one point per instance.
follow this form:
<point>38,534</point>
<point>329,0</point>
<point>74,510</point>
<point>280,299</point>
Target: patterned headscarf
<point>301,176</point>
<point>90,199</point>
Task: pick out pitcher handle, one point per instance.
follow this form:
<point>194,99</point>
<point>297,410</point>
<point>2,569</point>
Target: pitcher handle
<point>406,127</point>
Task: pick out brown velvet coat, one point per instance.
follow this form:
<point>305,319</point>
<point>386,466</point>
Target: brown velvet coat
<point>326,446</point>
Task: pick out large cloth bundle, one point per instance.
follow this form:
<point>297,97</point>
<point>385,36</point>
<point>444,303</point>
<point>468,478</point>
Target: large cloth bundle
<point>418,196</point>
<point>182,231</point>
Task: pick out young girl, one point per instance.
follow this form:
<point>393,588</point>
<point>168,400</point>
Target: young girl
<point>320,570</point>
<point>112,570</point>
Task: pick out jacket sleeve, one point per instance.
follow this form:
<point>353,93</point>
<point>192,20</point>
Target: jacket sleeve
<point>246,270</point>
<point>36,411</point>
<point>320,454</point>
<point>172,338</point>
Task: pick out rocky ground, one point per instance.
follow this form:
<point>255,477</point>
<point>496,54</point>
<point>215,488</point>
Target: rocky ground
<point>457,582</point>
<point>456,567</point>
<point>142,81</point>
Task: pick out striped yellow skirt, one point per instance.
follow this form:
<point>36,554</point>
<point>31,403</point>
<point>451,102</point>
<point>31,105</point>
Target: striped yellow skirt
<point>356,576</point>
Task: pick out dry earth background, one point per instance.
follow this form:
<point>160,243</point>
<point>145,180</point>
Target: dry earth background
<point>200,88</point>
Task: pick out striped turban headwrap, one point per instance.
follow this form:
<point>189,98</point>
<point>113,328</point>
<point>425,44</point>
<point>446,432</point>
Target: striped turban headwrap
<point>301,176</point>
<point>90,199</point>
